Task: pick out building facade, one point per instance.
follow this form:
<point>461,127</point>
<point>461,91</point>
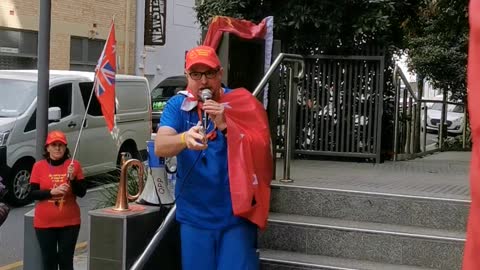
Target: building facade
<point>167,29</point>
<point>152,35</point>
<point>79,29</point>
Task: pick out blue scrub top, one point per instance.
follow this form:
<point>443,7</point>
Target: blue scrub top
<point>202,188</point>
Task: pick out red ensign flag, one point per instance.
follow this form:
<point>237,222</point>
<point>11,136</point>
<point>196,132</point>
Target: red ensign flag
<point>105,79</point>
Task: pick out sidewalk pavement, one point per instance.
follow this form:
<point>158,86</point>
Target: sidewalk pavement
<point>439,175</point>
<point>80,261</point>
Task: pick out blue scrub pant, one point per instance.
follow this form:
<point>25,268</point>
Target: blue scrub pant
<point>232,248</point>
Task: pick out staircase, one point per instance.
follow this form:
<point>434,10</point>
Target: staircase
<point>324,228</point>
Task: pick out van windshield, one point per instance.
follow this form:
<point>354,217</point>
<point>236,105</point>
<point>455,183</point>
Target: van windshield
<point>16,96</point>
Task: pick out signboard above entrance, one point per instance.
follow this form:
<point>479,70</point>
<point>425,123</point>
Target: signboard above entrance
<point>155,22</point>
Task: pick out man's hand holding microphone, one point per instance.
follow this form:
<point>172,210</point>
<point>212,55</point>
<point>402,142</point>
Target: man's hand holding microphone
<point>195,138</point>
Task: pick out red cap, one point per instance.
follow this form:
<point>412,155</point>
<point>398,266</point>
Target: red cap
<point>202,55</point>
<point>56,136</point>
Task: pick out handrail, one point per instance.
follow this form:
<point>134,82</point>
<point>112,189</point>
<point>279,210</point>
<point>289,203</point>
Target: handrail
<point>441,101</point>
<point>293,78</point>
<point>404,79</point>
<point>162,230</point>
<point>281,57</point>
<point>419,100</point>
<point>417,115</point>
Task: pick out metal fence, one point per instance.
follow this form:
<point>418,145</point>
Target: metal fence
<point>415,116</point>
<point>339,107</point>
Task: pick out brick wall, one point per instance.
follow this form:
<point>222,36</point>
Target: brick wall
<point>75,18</point>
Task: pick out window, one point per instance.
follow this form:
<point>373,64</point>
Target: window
<point>61,96</point>
<point>457,109</point>
<point>450,107</point>
<point>17,96</point>
<point>165,92</point>
<point>32,122</point>
<point>86,90</point>
<point>84,53</point>
<point>18,49</point>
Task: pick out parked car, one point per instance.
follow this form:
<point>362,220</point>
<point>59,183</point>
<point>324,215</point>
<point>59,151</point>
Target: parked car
<point>454,120</point>
<point>162,92</point>
<point>69,94</point>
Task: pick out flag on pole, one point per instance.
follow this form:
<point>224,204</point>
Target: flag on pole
<point>104,84</point>
<point>242,28</point>
<point>246,30</point>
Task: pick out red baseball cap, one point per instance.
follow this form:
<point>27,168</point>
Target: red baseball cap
<point>202,55</point>
<point>56,136</point>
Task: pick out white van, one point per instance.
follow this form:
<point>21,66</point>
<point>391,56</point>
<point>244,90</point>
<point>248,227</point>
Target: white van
<point>69,91</point>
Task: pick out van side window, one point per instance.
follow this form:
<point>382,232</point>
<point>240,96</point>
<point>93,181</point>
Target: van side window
<point>86,89</point>
<point>32,122</point>
<point>61,96</point>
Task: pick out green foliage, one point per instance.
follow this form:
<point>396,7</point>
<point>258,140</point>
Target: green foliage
<point>433,32</point>
<point>438,44</point>
<point>109,188</point>
<point>231,8</point>
<point>329,26</point>
<point>456,143</point>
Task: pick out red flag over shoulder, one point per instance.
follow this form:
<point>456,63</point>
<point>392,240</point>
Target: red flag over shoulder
<point>105,79</point>
<point>471,259</point>
<point>250,161</point>
<point>242,28</point>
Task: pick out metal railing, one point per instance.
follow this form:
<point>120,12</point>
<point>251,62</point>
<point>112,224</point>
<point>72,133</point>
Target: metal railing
<point>411,120</point>
<point>282,57</point>
<point>296,73</point>
<point>339,107</point>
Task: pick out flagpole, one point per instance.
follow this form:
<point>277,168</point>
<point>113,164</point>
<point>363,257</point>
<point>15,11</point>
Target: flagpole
<point>83,124</point>
<point>78,140</point>
<point>88,104</point>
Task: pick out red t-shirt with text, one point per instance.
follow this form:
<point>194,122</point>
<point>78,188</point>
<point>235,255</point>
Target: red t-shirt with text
<point>57,211</point>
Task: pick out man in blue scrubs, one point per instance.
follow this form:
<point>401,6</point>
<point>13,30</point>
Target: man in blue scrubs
<point>212,238</point>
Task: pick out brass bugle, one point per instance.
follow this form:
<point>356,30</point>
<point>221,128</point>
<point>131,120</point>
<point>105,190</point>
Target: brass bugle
<point>123,196</point>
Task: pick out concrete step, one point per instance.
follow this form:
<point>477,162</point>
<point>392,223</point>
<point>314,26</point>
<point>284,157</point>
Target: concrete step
<point>430,212</point>
<point>377,242</point>
<point>284,260</point>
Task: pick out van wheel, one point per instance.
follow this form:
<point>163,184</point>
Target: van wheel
<point>18,184</point>
<point>130,152</point>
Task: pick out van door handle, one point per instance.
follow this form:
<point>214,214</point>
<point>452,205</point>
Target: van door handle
<point>72,124</point>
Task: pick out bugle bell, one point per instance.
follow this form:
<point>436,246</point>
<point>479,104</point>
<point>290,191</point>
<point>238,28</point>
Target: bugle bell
<point>123,196</point>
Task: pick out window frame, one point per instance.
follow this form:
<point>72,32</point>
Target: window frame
<point>84,62</point>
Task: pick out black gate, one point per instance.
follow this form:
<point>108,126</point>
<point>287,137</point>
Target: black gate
<point>339,107</point>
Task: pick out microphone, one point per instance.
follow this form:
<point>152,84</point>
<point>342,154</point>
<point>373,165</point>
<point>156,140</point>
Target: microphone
<point>205,95</point>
